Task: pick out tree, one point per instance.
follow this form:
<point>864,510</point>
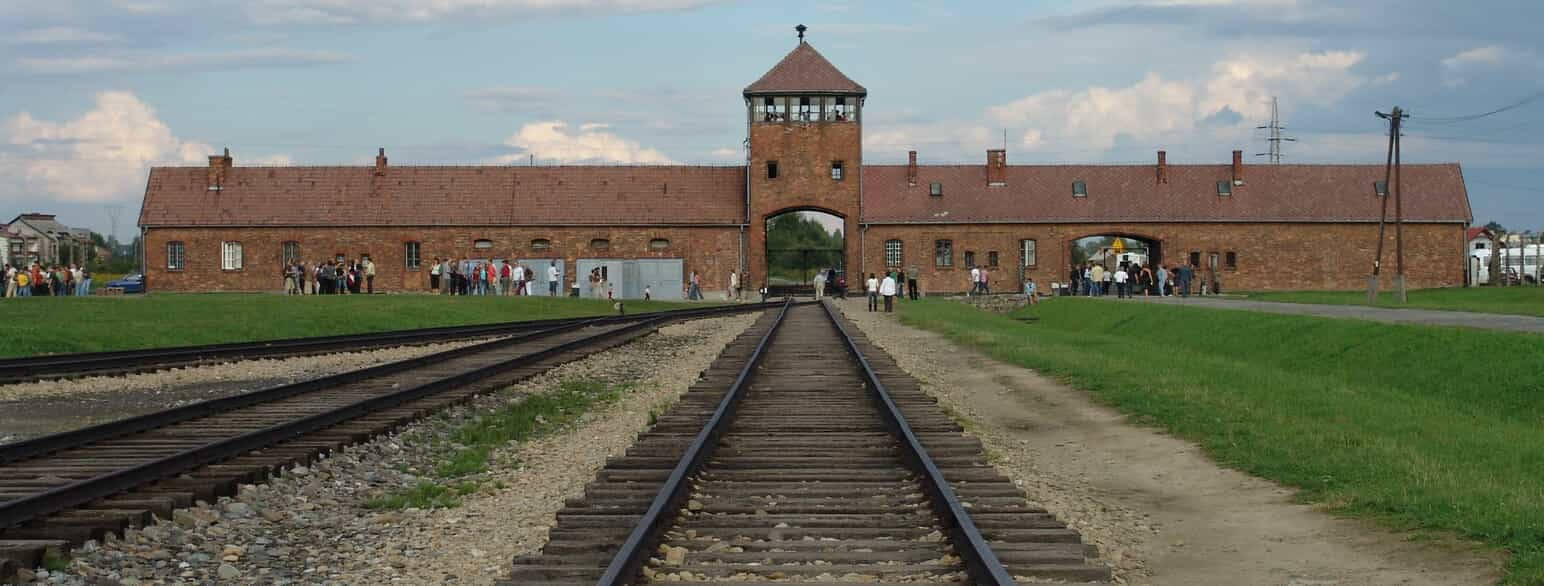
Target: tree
<point>1495,226</point>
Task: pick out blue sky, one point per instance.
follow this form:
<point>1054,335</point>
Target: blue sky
<point>93,92</point>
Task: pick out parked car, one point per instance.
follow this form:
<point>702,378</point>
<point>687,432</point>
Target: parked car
<point>134,283</point>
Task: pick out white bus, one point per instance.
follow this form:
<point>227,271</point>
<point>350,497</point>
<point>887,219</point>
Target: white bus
<point>1517,264</point>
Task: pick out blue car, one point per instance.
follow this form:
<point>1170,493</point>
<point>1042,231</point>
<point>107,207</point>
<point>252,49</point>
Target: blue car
<point>134,283</point>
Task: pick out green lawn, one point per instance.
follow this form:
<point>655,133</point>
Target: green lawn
<point>1419,427</point>
<point>45,325</point>
<point>1516,300</point>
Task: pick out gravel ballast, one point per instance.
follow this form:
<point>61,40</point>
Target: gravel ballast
<point>43,407</point>
<point>310,524</point>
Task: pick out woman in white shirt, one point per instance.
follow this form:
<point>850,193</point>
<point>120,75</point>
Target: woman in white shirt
<point>872,287</point>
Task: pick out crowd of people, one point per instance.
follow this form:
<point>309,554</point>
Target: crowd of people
<point>340,277</point>
<point>36,280</point>
<point>461,276</point>
<point>1129,279</point>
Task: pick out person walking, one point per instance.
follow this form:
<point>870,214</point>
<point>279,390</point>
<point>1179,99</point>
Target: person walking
<point>1184,280</point>
<point>871,286</point>
<point>694,290</point>
<point>1120,282</point>
<point>975,280</point>
<point>820,284</point>
<point>887,289</point>
<point>23,284</point>
<point>1097,275</point>
<point>734,286</point>
<point>912,272</point>
<point>552,279</point>
<point>506,278</point>
<point>1163,280</point>
<point>369,275</point>
<point>517,274</point>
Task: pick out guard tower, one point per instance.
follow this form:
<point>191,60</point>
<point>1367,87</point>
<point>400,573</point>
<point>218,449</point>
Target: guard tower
<point>805,132</point>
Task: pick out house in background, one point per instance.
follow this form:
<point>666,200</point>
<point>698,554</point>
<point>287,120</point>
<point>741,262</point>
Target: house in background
<point>12,247</point>
<point>1479,242</point>
<point>46,241</point>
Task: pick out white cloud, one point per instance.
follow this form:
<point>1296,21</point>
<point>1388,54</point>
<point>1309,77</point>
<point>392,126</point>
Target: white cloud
<point>1236,95</point>
<point>269,12</point>
<point>101,156</point>
<point>117,63</point>
<point>728,153</point>
<point>59,35</point>
<point>1454,68</point>
<point>554,141</point>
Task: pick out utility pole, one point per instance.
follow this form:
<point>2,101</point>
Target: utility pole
<point>1275,140</point>
<point>1391,189</point>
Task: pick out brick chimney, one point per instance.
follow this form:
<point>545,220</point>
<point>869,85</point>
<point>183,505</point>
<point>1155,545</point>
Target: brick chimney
<point>911,168</point>
<point>1163,166</point>
<point>218,166</point>
<point>1238,167</point>
<point>996,167</point>
<point>380,162</point>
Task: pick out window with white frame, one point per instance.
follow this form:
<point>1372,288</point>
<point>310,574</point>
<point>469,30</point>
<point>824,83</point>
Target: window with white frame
<point>410,252</point>
<point>894,253</point>
<point>175,258</point>
<point>230,256</point>
<point>1026,253</point>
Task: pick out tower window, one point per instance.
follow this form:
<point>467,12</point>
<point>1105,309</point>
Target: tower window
<point>836,170</point>
<point>771,169</point>
<point>936,189</point>
<point>807,110</point>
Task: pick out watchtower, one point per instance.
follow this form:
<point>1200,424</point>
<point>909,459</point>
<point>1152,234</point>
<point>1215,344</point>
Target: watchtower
<point>804,128</point>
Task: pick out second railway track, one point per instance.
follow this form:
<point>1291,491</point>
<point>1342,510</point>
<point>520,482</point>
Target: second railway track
<point>805,455</point>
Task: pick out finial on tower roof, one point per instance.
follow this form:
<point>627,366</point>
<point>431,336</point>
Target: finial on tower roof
<point>801,28</point>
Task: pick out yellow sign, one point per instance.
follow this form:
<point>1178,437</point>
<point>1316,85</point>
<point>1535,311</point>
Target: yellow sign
<point>1119,246</point>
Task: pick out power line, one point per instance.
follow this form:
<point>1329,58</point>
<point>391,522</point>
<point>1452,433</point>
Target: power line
<point>1456,119</point>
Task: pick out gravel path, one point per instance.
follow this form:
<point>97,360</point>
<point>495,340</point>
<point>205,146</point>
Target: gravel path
<point>309,526</point>
<point>1159,509</point>
<point>40,408</point>
<point>1424,317</point>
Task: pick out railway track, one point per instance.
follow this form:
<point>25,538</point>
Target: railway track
<point>805,455</point>
<point>59,366</point>
<point>61,490</point>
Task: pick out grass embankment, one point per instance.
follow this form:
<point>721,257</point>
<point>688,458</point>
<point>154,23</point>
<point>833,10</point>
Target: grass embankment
<point>476,441</point>
<point>1513,300</point>
<point>1419,427</point>
<point>53,325</point>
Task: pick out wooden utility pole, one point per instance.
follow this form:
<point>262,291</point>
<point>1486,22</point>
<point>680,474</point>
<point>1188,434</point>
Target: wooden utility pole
<point>1390,189</point>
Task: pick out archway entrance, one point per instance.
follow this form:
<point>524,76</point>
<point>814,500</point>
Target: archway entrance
<point>801,244</point>
<point>1113,251</point>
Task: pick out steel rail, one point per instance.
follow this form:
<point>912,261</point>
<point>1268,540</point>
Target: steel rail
<point>629,560</point>
<point>86,363</point>
<point>39,446</point>
<point>24,509</point>
<point>981,563</point>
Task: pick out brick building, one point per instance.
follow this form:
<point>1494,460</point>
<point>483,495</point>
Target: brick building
<point>230,228</point>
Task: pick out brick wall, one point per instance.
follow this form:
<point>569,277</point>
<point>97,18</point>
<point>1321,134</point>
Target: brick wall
<point>712,251</point>
<point>804,152</point>
<point>1269,256</point>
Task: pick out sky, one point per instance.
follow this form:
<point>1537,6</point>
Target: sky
<point>94,92</point>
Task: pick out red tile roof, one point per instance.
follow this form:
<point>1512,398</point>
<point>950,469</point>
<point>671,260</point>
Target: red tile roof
<point>1131,193</point>
<point>425,196</point>
<point>804,70</point>
<point>1476,232</point>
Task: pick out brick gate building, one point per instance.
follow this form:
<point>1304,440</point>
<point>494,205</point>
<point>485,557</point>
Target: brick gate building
<point>230,228</point>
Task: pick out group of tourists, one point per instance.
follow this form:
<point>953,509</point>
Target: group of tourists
<point>1129,279</point>
<point>893,284</point>
<point>339,277</point>
<point>462,276</point>
<point>55,281</point>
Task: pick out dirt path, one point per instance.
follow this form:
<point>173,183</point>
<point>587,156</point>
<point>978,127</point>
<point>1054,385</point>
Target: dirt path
<point>1160,511</point>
